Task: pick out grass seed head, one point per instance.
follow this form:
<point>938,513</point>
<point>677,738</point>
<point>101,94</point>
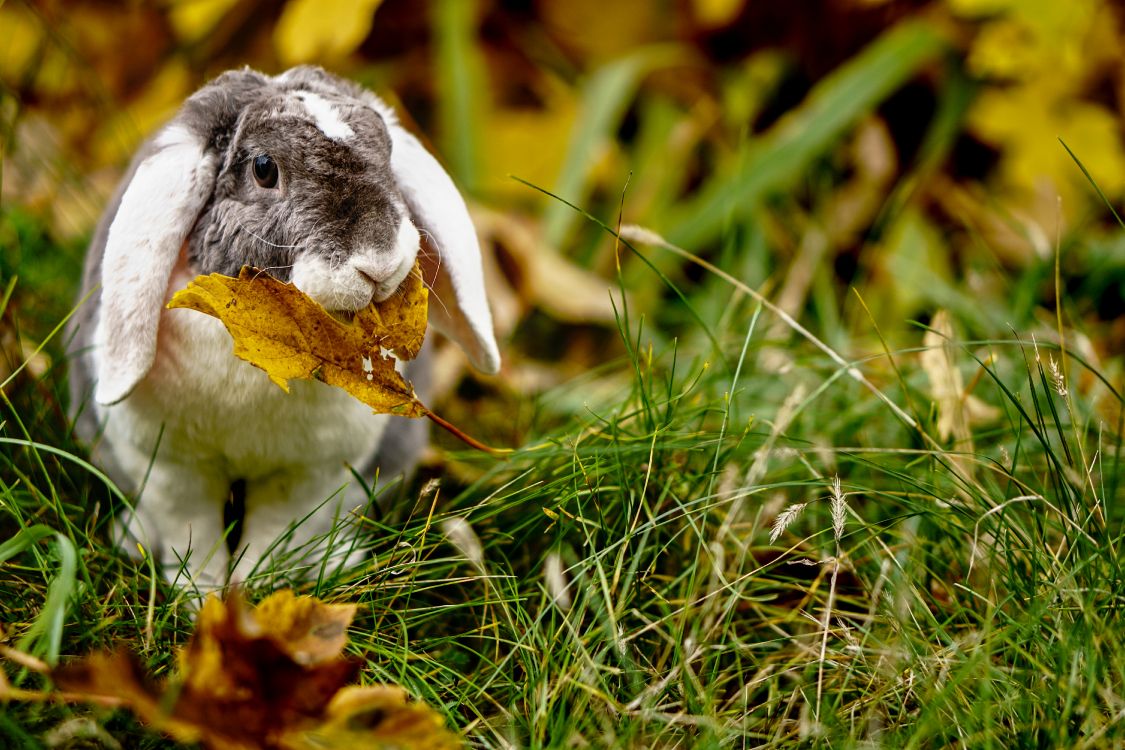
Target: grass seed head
<point>839,508</point>
<point>555,579</point>
<point>784,519</point>
<point>1057,377</point>
<point>461,535</point>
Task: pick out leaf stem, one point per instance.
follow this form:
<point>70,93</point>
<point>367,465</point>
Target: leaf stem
<point>463,437</point>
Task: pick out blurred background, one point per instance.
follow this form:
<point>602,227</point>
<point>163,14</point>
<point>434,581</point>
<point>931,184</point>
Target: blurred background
<point>862,162</point>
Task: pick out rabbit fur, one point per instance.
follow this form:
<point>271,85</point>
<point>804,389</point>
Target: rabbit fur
<point>311,178</point>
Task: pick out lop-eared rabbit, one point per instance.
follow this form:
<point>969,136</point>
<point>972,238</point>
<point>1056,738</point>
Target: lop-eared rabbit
<point>312,179</point>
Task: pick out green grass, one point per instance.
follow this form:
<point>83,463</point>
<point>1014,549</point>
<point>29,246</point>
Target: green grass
<point>971,599</point>
<point>627,592</point>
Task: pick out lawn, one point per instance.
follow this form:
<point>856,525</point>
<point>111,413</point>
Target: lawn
<point>813,374</point>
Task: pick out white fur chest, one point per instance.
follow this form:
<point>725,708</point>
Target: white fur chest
<point>205,406</point>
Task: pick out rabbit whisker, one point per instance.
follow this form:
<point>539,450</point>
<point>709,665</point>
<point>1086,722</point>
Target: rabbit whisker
<point>267,269</point>
<point>429,287</point>
<point>263,239</point>
<point>425,253</point>
<point>431,241</point>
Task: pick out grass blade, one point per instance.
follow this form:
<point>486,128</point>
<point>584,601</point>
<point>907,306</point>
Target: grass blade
<point>460,83</point>
<point>605,98</point>
<point>782,154</point>
<point>44,637</point>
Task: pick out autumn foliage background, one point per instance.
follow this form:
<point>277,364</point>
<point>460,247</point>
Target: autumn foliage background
<point>862,163</point>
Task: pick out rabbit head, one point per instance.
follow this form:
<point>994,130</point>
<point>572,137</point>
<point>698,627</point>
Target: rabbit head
<point>304,175</point>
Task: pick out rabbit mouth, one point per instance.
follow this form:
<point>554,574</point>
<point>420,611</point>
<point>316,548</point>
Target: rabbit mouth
<point>347,289</point>
<point>351,287</point>
<point>339,289</point>
<point>369,273</point>
<point>387,277</point>
<point>387,287</point>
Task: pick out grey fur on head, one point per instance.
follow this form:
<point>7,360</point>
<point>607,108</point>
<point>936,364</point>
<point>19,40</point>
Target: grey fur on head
<point>312,179</point>
<point>245,225</point>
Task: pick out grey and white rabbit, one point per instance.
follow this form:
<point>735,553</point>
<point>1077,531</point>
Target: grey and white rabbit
<point>311,178</point>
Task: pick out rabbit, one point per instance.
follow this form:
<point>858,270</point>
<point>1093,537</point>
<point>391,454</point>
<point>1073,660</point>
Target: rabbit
<point>311,178</point>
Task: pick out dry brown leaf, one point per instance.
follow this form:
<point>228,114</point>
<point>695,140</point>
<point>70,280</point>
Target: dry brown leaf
<point>116,677</point>
<point>311,631</point>
<point>957,409</point>
<point>946,384</point>
<point>272,677</point>
<point>541,276</point>
<point>376,717</point>
<point>279,329</point>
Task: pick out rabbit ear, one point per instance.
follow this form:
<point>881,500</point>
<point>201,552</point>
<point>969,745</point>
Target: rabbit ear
<point>158,208</point>
<point>171,182</point>
<point>461,310</point>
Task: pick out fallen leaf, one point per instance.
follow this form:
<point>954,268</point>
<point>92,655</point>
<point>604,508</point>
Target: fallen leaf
<point>116,677</point>
<point>279,329</point>
<point>946,384</point>
<point>273,677</point>
<point>957,409</point>
<point>375,717</point>
<point>542,277</point>
<point>311,631</point>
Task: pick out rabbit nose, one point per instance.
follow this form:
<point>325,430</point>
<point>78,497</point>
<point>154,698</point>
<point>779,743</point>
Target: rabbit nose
<point>376,276</point>
<point>383,283</point>
<point>387,268</point>
<point>375,271</point>
<point>368,276</point>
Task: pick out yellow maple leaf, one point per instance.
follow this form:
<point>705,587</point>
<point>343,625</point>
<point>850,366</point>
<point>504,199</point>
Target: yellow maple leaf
<point>277,328</point>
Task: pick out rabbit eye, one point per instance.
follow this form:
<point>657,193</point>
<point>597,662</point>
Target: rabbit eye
<point>265,171</point>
